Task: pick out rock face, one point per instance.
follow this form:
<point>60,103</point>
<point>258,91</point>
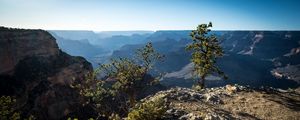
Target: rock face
<point>33,69</point>
<point>81,48</point>
<point>229,102</point>
<point>16,44</point>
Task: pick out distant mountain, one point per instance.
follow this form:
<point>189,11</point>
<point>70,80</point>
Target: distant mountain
<point>250,57</point>
<point>76,34</point>
<point>114,40</point>
<point>107,34</point>
<point>117,41</point>
<point>108,40</point>
<point>161,35</point>
<point>261,44</point>
<point>80,48</point>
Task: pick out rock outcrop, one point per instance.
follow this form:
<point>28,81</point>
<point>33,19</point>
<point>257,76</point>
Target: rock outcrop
<point>16,44</point>
<point>33,69</point>
<point>229,102</point>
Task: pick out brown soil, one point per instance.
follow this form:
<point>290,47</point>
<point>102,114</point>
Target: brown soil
<point>246,105</point>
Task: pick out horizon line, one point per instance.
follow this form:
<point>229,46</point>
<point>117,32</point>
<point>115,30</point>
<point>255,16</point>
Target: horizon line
<point>147,30</point>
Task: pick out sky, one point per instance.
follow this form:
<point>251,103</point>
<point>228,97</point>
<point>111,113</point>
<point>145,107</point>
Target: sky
<point>119,15</point>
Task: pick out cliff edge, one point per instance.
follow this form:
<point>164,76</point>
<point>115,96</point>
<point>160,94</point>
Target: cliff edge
<point>228,103</point>
<point>38,73</point>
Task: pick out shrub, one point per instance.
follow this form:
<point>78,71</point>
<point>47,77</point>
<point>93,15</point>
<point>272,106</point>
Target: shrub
<point>149,110</point>
<point>7,111</point>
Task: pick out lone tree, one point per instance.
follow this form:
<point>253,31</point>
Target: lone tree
<point>206,49</point>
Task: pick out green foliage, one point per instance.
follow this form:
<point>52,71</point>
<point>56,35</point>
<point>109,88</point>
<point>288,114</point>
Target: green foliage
<point>114,116</point>
<point>206,50</point>
<point>148,56</point>
<point>72,118</point>
<point>149,110</point>
<point>92,88</point>
<point>7,111</point>
<point>197,87</point>
<point>97,95</point>
<point>129,73</point>
<point>123,78</point>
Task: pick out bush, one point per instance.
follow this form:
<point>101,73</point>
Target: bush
<point>123,79</point>
<point>7,111</point>
<point>197,87</point>
<point>149,110</point>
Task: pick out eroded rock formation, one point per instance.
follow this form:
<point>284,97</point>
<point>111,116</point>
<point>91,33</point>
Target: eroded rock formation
<point>33,69</point>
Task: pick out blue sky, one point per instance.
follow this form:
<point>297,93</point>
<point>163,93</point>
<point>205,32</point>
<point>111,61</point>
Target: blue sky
<point>107,15</point>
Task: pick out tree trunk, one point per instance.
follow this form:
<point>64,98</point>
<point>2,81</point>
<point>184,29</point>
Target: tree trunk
<point>132,100</point>
<point>201,82</point>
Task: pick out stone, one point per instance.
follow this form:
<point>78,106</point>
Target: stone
<point>213,98</point>
<point>190,116</point>
<point>231,89</point>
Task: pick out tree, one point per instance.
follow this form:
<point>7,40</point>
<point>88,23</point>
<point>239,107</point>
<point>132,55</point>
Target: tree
<point>130,74</point>
<point>122,79</point>
<point>206,49</point>
<point>96,95</point>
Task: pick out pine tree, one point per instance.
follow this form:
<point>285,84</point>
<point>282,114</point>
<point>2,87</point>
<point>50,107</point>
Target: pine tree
<point>206,49</point>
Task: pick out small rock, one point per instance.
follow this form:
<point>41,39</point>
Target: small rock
<point>214,116</point>
<point>190,116</point>
<point>214,99</point>
<point>231,89</point>
<point>281,90</point>
<point>174,113</point>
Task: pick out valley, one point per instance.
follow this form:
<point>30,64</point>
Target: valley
<point>149,60</point>
<point>251,57</point>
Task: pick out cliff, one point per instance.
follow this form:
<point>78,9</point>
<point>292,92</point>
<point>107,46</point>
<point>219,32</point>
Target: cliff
<point>16,44</point>
<point>34,69</point>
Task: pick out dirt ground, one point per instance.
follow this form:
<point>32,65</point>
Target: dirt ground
<point>253,105</point>
<point>262,105</point>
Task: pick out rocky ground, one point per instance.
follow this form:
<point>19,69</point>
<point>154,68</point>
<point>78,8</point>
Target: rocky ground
<point>231,102</point>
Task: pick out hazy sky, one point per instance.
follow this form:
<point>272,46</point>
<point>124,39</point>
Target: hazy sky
<point>100,15</point>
